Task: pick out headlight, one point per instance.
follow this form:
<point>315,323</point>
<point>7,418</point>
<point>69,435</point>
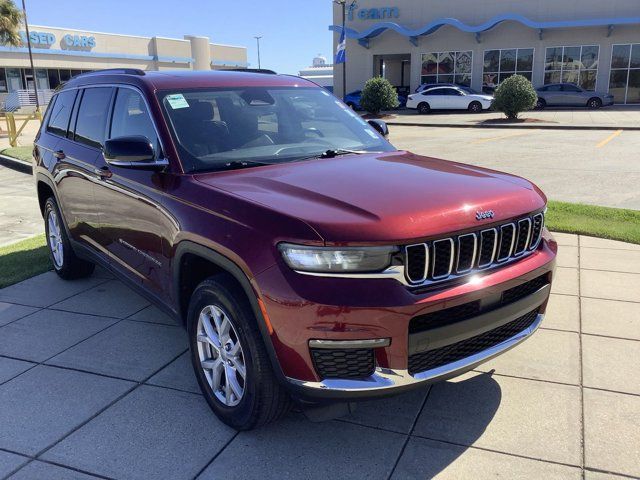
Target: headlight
<point>336,260</point>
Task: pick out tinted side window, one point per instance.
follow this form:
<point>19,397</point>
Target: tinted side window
<point>131,117</point>
<point>92,116</point>
<point>571,88</point>
<point>61,112</point>
<point>451,91</point>
<point>436,91</point>
<point>554,88</point>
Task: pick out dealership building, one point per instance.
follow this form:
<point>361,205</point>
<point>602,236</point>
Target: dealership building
<point>61,53</point>
<point>592,43</point>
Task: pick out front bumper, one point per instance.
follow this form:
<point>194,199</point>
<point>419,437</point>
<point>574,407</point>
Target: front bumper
<point>304,308</point>
<point>388,380</point>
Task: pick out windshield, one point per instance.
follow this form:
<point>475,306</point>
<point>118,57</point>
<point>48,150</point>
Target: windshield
<point>219,129</point>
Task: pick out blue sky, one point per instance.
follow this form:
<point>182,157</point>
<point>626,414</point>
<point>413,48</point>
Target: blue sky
<point>293,31</point>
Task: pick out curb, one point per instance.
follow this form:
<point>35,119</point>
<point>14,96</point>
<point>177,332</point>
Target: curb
<point>16,164</point>
<point>523,127</point>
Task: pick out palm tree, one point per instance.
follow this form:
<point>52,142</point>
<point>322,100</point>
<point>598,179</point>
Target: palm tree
<point>10,20</point>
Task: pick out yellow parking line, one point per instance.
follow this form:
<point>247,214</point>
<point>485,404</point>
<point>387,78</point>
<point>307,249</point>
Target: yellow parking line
<point>491,139</point>
<point>609,138</point>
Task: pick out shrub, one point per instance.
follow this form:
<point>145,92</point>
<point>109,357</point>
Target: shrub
<point>515,95</point>
<point>378,94</point>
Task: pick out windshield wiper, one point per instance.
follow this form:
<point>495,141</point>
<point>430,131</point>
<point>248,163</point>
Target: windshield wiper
<point>332,153</point>
<point>235,164</point>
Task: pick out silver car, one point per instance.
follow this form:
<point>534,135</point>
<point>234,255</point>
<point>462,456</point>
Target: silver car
<point>570,95</point>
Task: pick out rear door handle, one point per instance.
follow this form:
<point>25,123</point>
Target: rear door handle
<point>59,154</point>
<point>103,172</point>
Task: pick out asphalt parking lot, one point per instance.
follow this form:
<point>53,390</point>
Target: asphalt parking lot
<point>95,383</point>
<point>599,167</point>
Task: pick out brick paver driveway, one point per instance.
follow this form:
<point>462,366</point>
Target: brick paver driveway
<point>94,381</point>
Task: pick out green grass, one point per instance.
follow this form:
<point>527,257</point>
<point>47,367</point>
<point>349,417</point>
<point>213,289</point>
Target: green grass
<point>21,153</point>
<point>23,260</point>
<point>603,222</point>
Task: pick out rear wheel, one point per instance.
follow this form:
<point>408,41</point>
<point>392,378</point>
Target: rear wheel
<point>475,107</point>
<point>540,104</point>
<point>65,262</point>
<point>424,108</point>
<point>229,357</point>
<point>594,103</point>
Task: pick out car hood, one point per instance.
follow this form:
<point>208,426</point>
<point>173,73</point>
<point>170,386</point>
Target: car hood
<point>382,197</point>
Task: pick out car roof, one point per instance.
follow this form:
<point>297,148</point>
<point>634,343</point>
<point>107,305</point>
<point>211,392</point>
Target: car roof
<point>176,79</point>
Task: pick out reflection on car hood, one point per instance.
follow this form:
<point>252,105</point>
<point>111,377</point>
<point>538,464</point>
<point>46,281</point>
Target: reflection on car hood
<point>381,197</point>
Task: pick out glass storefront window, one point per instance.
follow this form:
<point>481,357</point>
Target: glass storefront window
<point>14,79</point>
<point>3,81</point>
<point>577,64</point>
<point>65,75</point>
<point>42,80</point>
<point>501,64</point>
<point>54,78</point>
<point>624,79</point>
<point>447,67</point>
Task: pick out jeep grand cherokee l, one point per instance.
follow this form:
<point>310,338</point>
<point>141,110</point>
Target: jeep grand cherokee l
<point>309,260</point>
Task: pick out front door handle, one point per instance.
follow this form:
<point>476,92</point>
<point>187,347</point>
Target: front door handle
<point>59,154</point>
<point>103,172</point>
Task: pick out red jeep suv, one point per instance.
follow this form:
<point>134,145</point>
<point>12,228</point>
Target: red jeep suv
<point>310,261</point>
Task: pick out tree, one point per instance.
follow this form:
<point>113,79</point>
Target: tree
<point>515,95</point>
<point>10,20</point>
<point>378,94</point>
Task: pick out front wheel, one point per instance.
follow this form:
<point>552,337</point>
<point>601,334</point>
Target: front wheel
<point>594,103</point>
<point>475,107</point>
<point>424,108</point>
<point>65,262</point>
<point>230,359</point>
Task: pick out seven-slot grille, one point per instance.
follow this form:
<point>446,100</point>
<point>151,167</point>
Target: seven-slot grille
<point>458,255</point>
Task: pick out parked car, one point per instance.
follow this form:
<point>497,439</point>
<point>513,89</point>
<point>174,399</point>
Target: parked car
<point>426,86</point>
<point>448,98</point>
<point>353,100</point>
<point>309,261</point>
<point>571,95</point>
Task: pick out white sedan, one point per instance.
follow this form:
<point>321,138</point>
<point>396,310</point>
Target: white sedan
<point>448,98</point>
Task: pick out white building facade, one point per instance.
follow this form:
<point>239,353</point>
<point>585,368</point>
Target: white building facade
<point>591,43</point>
<point>319,72</point>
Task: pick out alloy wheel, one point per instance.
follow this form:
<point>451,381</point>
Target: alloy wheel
<point>221,355</point>
<point>55,239</point>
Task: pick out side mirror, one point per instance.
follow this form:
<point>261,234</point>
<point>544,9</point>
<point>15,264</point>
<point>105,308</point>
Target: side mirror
<point>380,126</point>
<point>133,151</point>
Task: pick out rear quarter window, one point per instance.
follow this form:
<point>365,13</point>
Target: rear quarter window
<point>61,113</point>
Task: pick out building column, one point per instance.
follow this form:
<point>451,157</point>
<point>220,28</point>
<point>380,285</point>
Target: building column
<point>200,51</point>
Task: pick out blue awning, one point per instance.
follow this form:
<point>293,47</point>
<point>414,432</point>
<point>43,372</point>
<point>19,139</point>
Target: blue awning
<point>433,26</point>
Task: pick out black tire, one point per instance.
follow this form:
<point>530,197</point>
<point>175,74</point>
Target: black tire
<point>594,103</point>
<point>424,108</point>
<point>475,107</point>
<point>540,104</point>
<point>263,399</point>
<point>64,260</point>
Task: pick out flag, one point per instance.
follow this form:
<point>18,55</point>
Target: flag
<point>341,51</point>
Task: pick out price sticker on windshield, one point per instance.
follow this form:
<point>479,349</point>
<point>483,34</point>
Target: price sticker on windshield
<point>177,100</point>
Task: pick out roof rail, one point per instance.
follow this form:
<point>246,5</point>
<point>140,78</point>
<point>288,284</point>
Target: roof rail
<point>106,71</point>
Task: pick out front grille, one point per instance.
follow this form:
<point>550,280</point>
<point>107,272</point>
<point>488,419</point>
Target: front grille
<point>343,363</point>
<point>451,315</point>
<point>457,255</point>
<point>423,361</point>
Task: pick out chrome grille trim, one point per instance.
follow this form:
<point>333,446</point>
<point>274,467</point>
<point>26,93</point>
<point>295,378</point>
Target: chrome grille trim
<point>513,239</point>
<point>451,256</point>
<point>495,246</point>
<point>473,255</point>
<point>527,221</point>
<point>426,265</point>
<point>536,241</point>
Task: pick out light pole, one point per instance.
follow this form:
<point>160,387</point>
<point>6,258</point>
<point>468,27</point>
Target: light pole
<point>343,3</point>
<point>33,70</point>
<point>258,42</point>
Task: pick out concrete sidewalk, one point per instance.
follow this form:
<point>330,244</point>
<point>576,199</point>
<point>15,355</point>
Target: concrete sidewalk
<point>95,383</point>
<point>607,118</point>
